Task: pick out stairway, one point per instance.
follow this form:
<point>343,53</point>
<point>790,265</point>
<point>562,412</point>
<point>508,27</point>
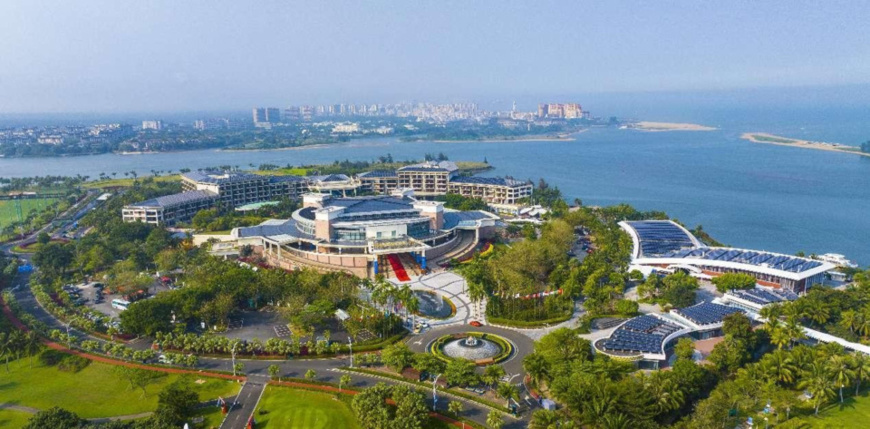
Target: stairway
<point>396,264</point>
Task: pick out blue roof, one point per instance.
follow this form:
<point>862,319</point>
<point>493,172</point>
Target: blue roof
<point>764,296</point>
<point>707,313</point>
<point>792,264</point>
<point>658,237</point>
<point>286,228</point>
<point>221,177</point>
<point>447,166</point>
<point>176,199</point>
<point>372,204</point>
<point>379,173</point>
<point>498,181</point>
<point>330,178</point>
<point>643,334</point>
<point>454,219</point>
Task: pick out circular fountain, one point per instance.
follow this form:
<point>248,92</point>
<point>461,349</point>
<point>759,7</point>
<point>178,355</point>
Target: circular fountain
<point>484,349</point>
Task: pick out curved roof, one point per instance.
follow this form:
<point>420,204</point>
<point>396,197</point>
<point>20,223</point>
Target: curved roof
<point>657,237</point>
<point>664,242</point>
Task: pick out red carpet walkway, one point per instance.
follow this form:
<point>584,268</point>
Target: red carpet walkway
<point>398,268</point>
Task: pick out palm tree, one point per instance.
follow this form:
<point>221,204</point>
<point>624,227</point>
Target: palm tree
<point>795,331</point>
<point>842,372</point>
<point>849,319</point>
<point>861,366</point>
<point>344,380</point>
<point>779,336</point>
<point>616,421</point>
<point>32,345</point>
<point>507,391</point>
<point>819,383</point>
<point>494,420</point>
<point>536,366</point>
<point>667,394</point>
<point>455,407</point>
<point>779,366</point>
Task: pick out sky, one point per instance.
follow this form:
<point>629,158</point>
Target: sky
<point>115,56</point>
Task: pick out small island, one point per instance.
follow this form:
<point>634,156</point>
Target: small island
<point>668,126</point>
<point>807,144</point>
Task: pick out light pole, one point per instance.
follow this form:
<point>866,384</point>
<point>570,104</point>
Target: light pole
<point>68,346</point>
<point>350,346</point>
<point>435,392</point>
<point>233,352</point>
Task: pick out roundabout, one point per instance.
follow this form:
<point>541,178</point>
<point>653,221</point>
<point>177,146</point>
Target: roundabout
<point>482,348</point>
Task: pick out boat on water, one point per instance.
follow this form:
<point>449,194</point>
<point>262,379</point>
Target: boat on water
<point>838,260</point>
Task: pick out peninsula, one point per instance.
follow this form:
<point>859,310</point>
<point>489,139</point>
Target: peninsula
<point>807,144</point>
<point>668,126</point>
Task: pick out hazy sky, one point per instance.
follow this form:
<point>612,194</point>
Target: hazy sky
<point>116,55</point>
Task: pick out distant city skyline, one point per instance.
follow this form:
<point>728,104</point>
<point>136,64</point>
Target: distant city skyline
<point>99,56</point>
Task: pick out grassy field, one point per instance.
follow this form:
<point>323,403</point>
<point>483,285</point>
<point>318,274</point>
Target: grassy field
<point>9,213</point>
<point>11,419</point>
<point>96,391</point>
<point>128,181</point>
<point>300,409</point>
<point>854,413</point>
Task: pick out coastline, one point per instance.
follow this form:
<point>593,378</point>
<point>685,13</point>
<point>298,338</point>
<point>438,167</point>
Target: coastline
<point>658,127</point>
<point>530,138</point>
<point>766,138</point>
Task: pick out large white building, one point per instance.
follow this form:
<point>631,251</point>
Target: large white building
<point>367,235</point>
<point>664,244</point>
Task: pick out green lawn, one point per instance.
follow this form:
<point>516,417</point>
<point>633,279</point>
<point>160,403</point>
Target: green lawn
<point>854,413</point>
<point>128,181</point>
<point>212,416</point>
<point>9,211</point>
<point>96,391</point>
<point>289,408</point>
<point>11,419</point>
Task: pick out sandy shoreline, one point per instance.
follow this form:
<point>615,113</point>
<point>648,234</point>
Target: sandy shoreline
<point>656,127</point>
<point>766,138</point>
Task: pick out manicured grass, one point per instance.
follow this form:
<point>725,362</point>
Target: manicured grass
<point>12,419</point>
<point>855,412</point>
<point>128,181</point>
<point>284,172</point>
<point>96,391</point>
<point>9,211</point>
<point>212,416</point>
<point>289,408</point>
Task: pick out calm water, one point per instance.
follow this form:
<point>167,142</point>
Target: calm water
<point>749,195</point>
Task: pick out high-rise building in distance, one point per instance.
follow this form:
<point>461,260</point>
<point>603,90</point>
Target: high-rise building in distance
<point>562,111</point>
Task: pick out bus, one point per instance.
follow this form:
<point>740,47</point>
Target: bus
<point>120,304</point>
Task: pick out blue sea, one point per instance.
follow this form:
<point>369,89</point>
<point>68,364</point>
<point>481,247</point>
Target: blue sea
<point>745,194</point>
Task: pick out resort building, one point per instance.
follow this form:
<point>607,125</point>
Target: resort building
<point>493,190</point>
<point>169,209</point>
<point>208,189</point>
<point>237,189</point>
<point>334,184</point>
<point>427,179</point>
<point>663,245</point>
<point>394,235</point>
<point>381,182</point>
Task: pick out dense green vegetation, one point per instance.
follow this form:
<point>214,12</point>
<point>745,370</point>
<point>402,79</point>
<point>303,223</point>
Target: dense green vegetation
<point>677,289</point>
<point>459,202</point>
<point>407,409</point>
